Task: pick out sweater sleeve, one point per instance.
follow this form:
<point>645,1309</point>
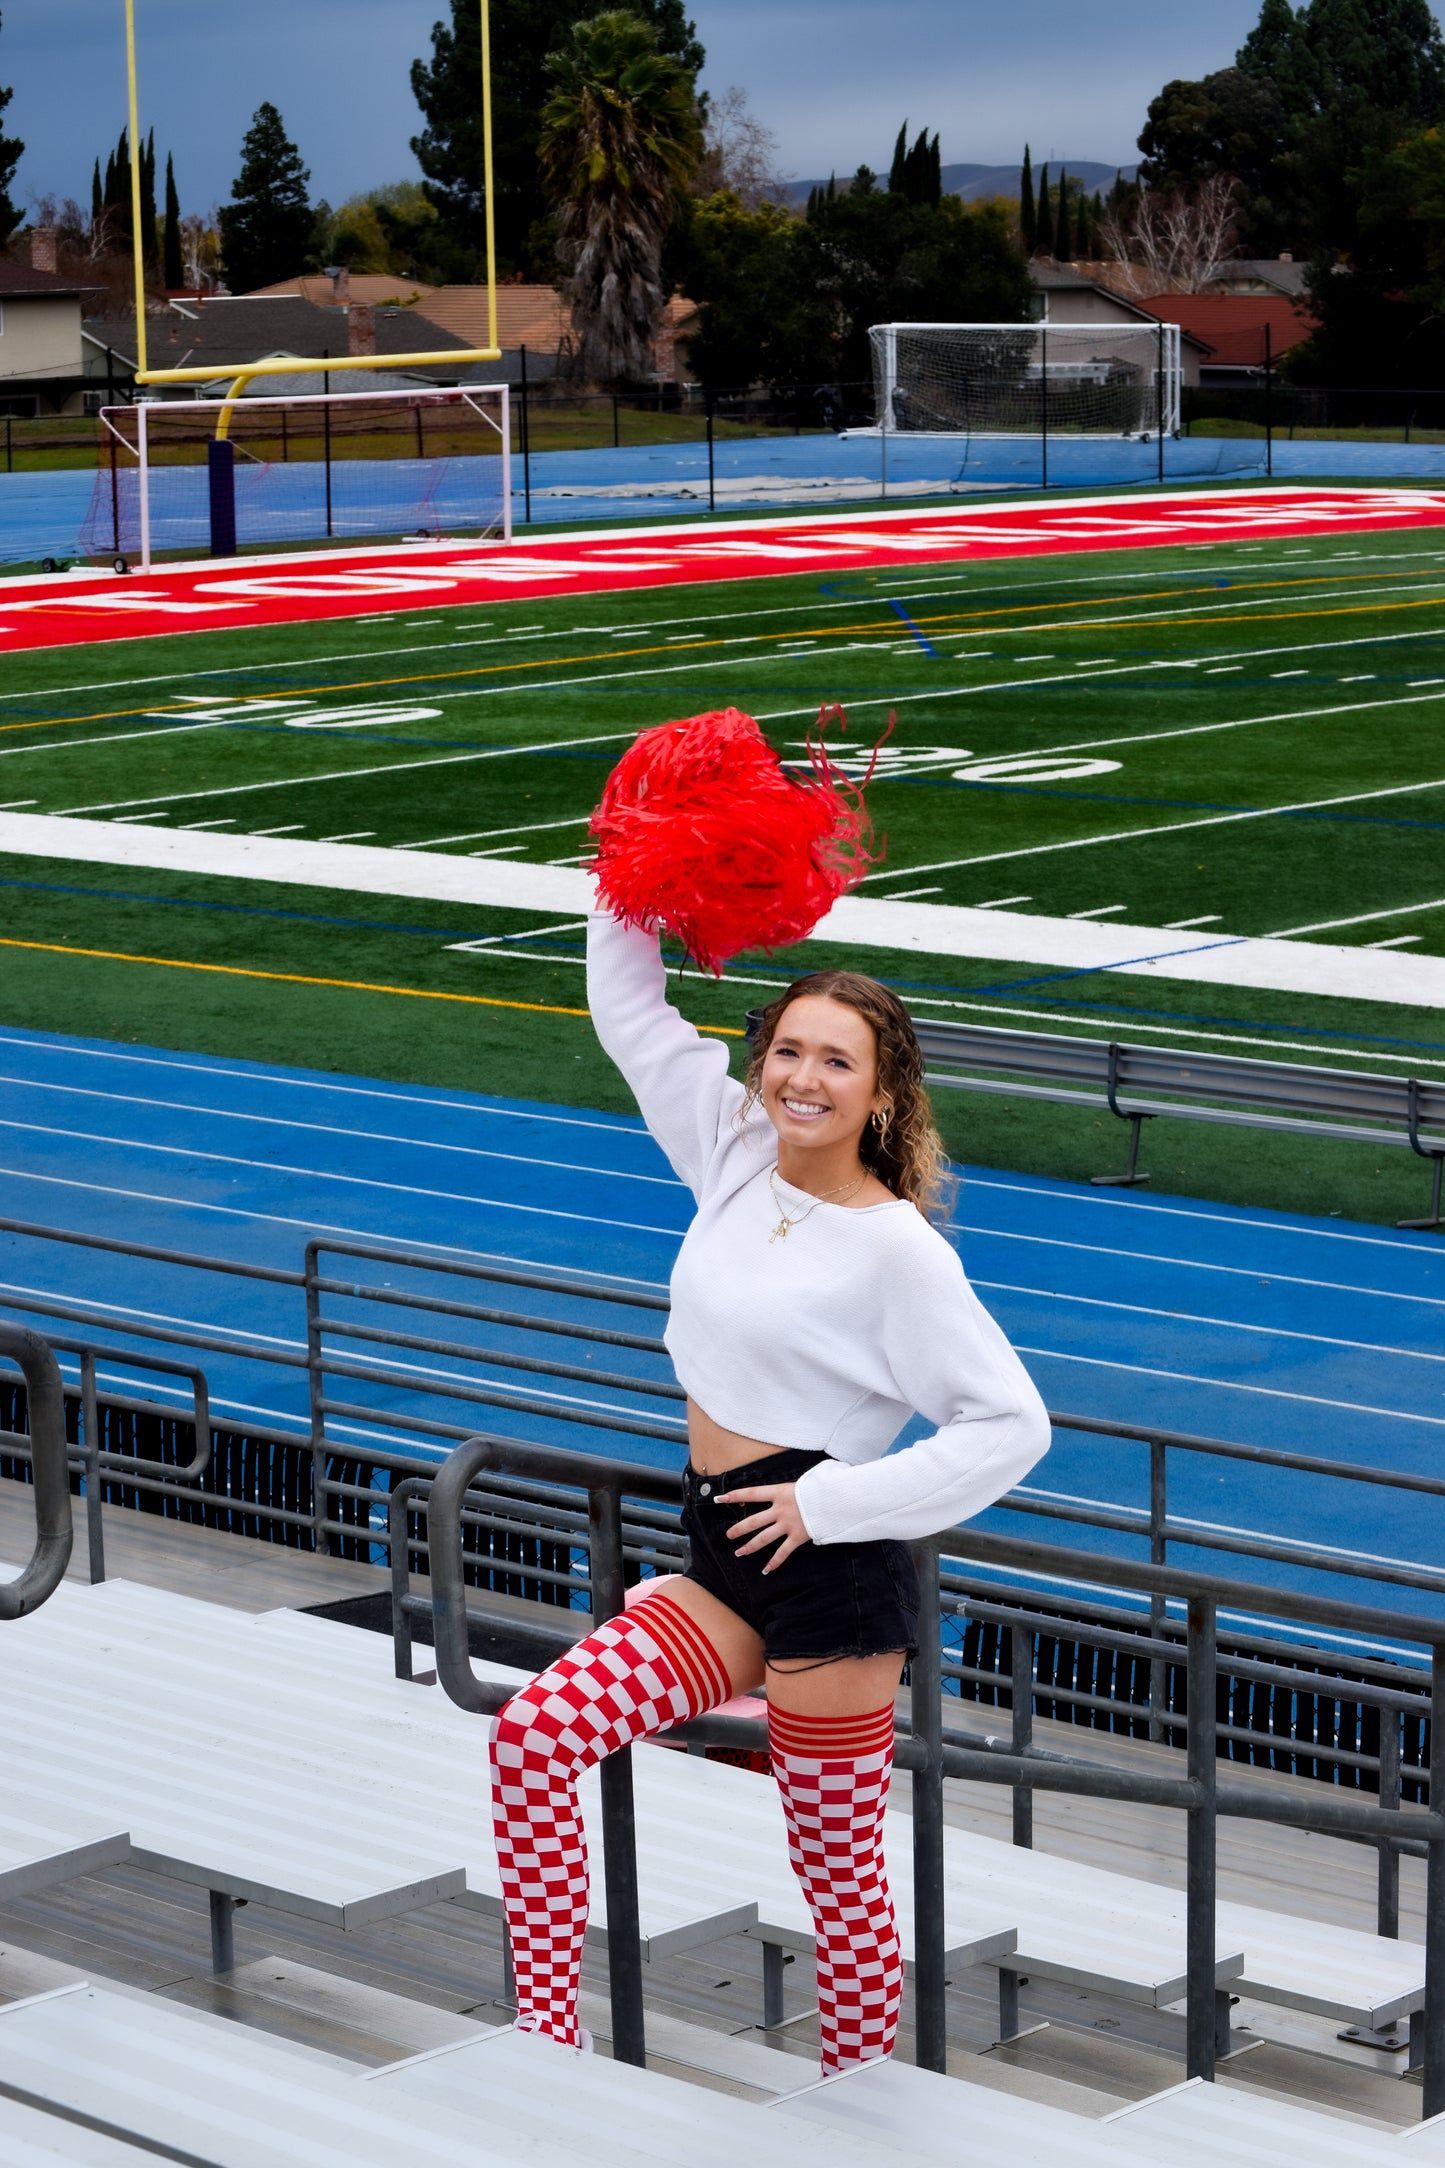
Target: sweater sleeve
<point>952,1363</point>
<point>679,1079</point>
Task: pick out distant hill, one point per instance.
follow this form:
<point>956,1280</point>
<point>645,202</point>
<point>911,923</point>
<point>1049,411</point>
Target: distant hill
<point>972,182</point>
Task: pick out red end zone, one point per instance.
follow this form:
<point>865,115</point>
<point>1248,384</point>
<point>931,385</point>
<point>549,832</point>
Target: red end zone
<point>212,596</point>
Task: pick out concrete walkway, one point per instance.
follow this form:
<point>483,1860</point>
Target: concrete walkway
<point>1296,967</point>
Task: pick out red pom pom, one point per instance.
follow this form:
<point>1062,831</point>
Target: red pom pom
<point>701,829</point>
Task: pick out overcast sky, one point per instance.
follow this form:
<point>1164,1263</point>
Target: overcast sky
<point>832,78</point>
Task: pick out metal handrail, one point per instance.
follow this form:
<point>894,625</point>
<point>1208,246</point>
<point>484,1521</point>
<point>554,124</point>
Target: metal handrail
<point>930,1754</point>
<point>54,1536</point>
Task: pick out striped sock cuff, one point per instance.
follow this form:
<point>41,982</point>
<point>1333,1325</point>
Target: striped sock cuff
<point>693,1657</point>
<point>830,1738</point>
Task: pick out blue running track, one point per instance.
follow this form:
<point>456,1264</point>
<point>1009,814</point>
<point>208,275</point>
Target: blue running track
<point>1318,1336</point>
<point>42,515</point>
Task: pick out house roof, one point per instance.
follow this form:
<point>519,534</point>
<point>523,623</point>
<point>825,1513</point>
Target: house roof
<point>1232,325</point>
<point>1273,271</point>
<point>21,281</point>
<point>232,331</point>
<point>532,316</point>
<point>1058,278</point>
<point>374,286</point>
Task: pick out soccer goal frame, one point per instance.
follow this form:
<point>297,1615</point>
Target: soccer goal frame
<point>490,403</point>
<point>302,364</point>
<point>1158,342</point>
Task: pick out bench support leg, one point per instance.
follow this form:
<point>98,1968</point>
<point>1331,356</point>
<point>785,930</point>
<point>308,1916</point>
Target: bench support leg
<point>772,1986</point>
<point>1435,1181</point>
<point>1131,1177</point>
<point>1223,2002</point>
<point>1008,2004</point>
<point>1415,2060</point>
<point>223,1932</point>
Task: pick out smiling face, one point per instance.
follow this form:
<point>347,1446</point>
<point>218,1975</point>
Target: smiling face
<point>820,1076</point>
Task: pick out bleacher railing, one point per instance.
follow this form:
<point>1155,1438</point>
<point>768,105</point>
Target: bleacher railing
<point>39,1578</point>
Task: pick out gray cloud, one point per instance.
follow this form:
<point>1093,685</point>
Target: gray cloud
<point>832,78</point>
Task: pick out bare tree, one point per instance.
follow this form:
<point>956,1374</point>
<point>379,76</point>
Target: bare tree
<point>201,250</point>
<point>1169,241</point>
<point>739,153</point>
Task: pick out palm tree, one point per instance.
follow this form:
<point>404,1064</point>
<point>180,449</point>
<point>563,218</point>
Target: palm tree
<point>620,132</point>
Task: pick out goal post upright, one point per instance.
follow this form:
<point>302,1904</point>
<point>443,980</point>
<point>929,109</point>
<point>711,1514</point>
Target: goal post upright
<point>298,365</point>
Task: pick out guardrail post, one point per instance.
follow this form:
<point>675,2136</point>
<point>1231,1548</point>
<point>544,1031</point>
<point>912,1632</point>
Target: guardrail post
<point>925,1672</point>
<point>50,1474</point>
<point>1434,2017</point>
<point>1200,1882</point>
<point>619,1819</point>
<point>1158,1610</point>
<point>90,1448</point>
<point>398,1509</point>
<point>1387,1910</point>
<point>1021,1669</point>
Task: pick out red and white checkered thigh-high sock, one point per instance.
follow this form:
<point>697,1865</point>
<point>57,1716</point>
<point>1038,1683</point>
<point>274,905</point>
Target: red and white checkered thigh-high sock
<point>642,1672</point>
<point>833,1775</point>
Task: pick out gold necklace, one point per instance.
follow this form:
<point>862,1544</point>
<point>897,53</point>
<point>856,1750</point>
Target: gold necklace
<point>785,1221</point>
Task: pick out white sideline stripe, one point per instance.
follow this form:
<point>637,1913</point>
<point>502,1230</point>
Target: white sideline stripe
<point>325,1129</point>
<point>1228,1528</point>
<point>1231,1385</point>
<point>312,1174</point>
<point>1241,1222</point>
<point>856,921</point>
<point>1222,1324</point>
<point>1193,1264</point>
<point>1364,918</point>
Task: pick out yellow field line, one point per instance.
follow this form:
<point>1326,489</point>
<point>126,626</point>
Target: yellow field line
<point>296,978</point>
<point>887,628</point>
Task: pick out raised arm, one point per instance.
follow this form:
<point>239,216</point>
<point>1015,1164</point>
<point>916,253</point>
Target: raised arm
<point>952,1363</point>
<point>679,1079</point>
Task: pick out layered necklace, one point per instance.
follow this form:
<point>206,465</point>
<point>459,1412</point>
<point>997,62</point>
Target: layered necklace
<point>787,1220</point>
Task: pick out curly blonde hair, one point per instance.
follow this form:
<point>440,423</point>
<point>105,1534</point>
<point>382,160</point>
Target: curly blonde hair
<point>905,1150</point>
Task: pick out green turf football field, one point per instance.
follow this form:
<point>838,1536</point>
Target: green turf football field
<point>1241,736</point>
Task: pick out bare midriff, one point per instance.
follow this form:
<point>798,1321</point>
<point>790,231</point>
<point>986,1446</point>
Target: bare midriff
<point>714,1450</point>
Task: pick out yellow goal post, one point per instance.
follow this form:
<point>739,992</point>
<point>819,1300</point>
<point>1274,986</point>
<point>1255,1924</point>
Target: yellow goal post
<point>296,365</point>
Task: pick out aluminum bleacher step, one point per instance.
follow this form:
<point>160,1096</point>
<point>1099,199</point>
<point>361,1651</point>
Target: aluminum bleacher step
<point>233,2098</point>
<point>44,1840</point>
<point>29,2138</point>
<point>1228,2126</point>
<point>594,2105</point>
<point>945,2120</point>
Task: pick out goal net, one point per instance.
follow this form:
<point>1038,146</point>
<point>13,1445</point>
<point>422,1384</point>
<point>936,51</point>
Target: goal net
<point>1013,380</point>
<point>218,476</point>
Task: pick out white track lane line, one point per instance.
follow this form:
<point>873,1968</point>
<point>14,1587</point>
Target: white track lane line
<point>1195,1264</point>
<point>1223,1324</point>
<point>323,1227</point>
<point>321,1174</point>
<point>1240,1222</point>
<point>325,1129</point>
<point>1231,1385</point>
<point>325,1084</point>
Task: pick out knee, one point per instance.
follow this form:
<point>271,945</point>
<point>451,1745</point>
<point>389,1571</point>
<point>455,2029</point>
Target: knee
<point>514,1732</point>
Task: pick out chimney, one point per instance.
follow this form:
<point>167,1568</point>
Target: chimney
<point>664,347</point>
<point>361,322</point>
<point>42,249</point>
<point>340,279</point>
<point>1285,256</point>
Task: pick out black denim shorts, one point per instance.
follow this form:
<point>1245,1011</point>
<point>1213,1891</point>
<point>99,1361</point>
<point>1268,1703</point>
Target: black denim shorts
<point>825,1601</point>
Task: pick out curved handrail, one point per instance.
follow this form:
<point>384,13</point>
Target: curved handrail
<point>50,1467</point>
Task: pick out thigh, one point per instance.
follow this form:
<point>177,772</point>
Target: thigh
<point>738,1648</point>
<point>848,1686</point>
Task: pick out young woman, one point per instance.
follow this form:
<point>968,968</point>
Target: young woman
<point>815,1308</point>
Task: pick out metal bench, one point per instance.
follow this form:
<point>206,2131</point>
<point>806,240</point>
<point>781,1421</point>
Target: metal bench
<point>1222,2126</point>
<point>31,2139</point>
<point>44,1840</point>
<point>1351,1105</point>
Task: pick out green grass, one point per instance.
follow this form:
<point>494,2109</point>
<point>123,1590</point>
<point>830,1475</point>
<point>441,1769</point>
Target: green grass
<point>1158,671</point>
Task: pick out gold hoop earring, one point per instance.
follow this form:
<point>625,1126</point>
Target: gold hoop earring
<point>882,1117</point>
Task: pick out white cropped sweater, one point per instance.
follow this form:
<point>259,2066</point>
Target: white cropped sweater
<point>830,1340</point>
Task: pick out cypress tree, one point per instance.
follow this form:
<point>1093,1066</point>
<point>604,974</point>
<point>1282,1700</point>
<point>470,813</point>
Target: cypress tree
<point>898,171</point>
<point>11,151</point>
<point>935,172</point>
<point>1061,221</point>
<point>97,197</point>
<point>149,239</point>
<point>1028,213</point>
<point>1045,215</point>
<point>173,269</point>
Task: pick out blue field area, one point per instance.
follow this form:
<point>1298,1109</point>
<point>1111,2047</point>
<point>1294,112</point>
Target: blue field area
<point>1316,1336</point>
<point>46,514</point>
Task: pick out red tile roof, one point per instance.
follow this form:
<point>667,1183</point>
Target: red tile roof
<point>1232,325</point>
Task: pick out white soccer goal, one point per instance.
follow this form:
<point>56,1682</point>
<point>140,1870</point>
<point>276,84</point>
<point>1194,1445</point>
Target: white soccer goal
<point>960,380</point>
<point>218,475</point>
